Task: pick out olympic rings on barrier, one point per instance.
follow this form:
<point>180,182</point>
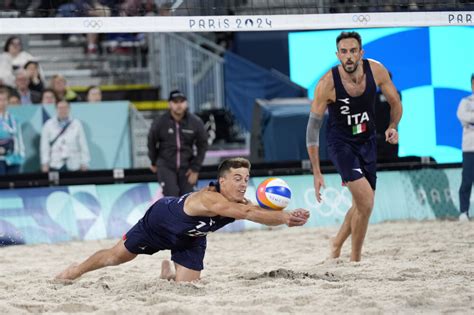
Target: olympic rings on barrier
<point>336,201</point>
<point>95,24</point>
<point>361,18</point>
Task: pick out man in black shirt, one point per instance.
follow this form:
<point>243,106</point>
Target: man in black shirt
<point>171,141</point>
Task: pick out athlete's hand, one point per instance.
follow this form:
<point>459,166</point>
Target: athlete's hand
<point>391,135</point>
<point>153,168</point>
<point>302,213</point>
<point>192,176</point>
<point>297,217</point>
<point>318,183</point>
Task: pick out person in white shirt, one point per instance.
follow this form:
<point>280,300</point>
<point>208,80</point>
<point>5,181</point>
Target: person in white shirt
<point>63,145</point>
<point>13,58</point>
<point>466,117</point>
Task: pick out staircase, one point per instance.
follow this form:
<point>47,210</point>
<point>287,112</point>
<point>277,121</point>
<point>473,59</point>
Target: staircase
<point>57,54</point>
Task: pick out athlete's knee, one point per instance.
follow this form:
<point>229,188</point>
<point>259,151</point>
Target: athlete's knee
<point>184,274</point>
<point>117,255</point>
<point>365,206</point>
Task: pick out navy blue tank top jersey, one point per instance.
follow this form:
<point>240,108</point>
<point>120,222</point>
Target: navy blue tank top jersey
<point>167,219</point>
<point>352,119</point>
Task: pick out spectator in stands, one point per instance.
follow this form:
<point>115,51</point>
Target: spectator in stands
<point>48,97</point>
<point>22,83</point>
<point>6,70</point>
<point>12,150</point>
<point>63,92</point>
<point>171,141</point>
<point>466,116</point>
<point>63,145</point>
<point>33,72</point>
<point>14,98</point>
<point>127,43</point>
<point>93,94</point>
<point>19,57</point>
<point>80,8</point>
<point>74,8</point>
<point>12,59</point>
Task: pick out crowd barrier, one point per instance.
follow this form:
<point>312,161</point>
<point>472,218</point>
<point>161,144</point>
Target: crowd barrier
<point>87,212</point>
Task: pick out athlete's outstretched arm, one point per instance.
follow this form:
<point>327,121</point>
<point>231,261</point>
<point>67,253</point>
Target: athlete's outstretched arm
<point>390,92</point>
<point>216,204</point>
<point>321,98</point>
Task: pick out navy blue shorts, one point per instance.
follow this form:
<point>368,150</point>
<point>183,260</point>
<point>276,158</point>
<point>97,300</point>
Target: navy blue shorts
<point>354,161</point>
<point>140,241</point>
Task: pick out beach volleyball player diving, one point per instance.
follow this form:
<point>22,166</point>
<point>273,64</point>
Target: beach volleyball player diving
<point>180,224</point>
<point>347,92</point>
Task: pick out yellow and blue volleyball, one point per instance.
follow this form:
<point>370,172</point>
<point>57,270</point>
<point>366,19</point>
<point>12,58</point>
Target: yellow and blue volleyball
<point>273,193</point>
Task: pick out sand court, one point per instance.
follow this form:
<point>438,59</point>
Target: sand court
<point>407,267</point>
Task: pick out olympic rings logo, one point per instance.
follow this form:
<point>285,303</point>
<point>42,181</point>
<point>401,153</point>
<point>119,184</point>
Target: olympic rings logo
<point>363,19</point>
<point>95,24</point>
<point>335,201</point>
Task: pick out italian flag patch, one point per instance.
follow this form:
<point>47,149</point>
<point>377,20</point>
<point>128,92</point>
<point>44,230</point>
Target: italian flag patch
<point>360,128</point>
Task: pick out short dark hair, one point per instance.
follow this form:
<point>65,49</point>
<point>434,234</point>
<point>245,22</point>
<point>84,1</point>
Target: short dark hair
<point>472,77</point>
<point>9,41</point>
<point>29,63</point>
<point>227,164</point>
<point>46,90</point>
<point>14,93</point>
<point>345,35</point>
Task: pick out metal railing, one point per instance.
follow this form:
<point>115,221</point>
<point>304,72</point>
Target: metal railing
<point>181,64</point>
<point>139,127</point>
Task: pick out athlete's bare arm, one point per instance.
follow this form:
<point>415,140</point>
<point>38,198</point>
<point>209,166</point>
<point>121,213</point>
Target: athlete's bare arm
<point>209,203</point>
<point>382,79</point>
<point>324,94</point>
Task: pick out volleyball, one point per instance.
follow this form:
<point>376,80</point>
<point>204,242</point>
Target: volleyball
<point>273,193</point>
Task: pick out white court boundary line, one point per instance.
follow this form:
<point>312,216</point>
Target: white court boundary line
<point>233,23</point>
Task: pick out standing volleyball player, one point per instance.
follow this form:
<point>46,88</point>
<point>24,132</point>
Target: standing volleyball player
<point>348,92</point>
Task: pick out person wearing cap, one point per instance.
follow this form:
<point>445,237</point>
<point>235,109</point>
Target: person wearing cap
<point>465,115</point>
<point>171,141</point>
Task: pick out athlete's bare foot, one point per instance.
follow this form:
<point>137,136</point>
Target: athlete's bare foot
<point>70,273</point>
<point>335,250</point>
<point>166,272</point>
